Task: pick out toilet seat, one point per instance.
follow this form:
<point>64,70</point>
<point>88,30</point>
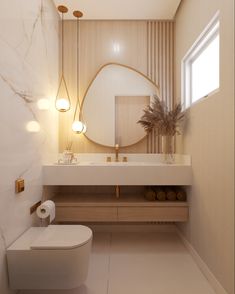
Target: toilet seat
<point>62,237</point>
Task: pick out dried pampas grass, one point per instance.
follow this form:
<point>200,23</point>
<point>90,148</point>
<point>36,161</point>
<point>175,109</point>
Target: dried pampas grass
<point>157,116</point>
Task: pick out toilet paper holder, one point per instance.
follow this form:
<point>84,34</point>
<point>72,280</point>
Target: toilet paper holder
<point>34,207</point>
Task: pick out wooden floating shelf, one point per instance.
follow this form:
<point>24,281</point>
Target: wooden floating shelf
<point>108,208</point>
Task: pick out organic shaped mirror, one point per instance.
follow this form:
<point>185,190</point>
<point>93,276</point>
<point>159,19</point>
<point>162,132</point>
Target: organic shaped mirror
<point>114,102</point>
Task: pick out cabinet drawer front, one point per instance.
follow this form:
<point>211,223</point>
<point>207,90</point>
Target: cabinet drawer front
<point>73,214</point>
<point>153,214</point>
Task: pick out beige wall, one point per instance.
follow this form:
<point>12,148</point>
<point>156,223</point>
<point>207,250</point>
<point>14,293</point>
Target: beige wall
<point>209,138</point>
<point>146,46</point>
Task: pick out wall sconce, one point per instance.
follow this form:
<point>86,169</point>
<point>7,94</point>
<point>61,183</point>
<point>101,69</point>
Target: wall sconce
<point>78,126</point>
<point>62,102</point>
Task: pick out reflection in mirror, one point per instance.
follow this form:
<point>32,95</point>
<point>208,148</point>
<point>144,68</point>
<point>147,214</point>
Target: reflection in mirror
<point>128,110</point>
<point>113,104</point>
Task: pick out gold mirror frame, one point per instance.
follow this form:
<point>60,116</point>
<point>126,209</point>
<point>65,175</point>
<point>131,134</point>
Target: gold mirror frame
<point>93,79</point>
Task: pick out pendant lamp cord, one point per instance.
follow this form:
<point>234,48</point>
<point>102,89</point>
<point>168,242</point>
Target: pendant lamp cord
<point>62,49</point>
<point>78,101</point>
<point>78,61</point>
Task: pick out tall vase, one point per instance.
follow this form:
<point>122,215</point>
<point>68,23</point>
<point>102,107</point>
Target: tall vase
<point>167,149</point>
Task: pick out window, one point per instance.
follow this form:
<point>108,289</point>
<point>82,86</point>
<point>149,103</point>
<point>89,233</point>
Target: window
<point>200,66</point>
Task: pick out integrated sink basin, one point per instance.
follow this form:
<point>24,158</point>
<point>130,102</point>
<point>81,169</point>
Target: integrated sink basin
<point>140,169</point>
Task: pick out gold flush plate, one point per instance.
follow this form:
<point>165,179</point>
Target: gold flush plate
<point>19,185</point>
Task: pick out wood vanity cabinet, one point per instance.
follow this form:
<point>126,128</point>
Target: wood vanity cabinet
<point>156,213</point>
<point>77,208</point>
<point>100,191</point>
<point>85,214</point>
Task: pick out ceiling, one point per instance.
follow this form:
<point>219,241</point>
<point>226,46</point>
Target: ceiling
<point>121,9</point>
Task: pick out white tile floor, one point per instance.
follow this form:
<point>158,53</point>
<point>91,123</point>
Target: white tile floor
<point>139,263</point>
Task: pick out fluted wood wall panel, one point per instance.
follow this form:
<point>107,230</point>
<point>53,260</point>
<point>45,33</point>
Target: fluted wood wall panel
<point>144,45</point>
<point>160,62</point>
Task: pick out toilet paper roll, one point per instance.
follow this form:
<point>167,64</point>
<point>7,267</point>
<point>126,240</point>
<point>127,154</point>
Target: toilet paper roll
<point>46,209</point>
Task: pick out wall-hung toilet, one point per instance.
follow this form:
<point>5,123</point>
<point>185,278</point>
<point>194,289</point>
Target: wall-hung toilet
<point>55,257</point>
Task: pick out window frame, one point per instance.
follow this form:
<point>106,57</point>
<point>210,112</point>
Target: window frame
<point>208,35</point>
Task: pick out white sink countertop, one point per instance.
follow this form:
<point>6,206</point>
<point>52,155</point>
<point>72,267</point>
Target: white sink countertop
<point>101,158</point>
<point>140,169</point>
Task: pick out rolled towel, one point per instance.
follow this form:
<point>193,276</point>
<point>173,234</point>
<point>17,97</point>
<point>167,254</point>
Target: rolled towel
<point>170,194</point>
<point>149,194</point>
<point>181,194</point>
<point>160,193</point>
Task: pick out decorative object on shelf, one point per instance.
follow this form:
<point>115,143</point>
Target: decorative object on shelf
<point>68,156</point>
<point>163,193</point>
<point>158,117</point>
<point>149,194</point>
<point>78,126</point>
<point>62,102</point>
<point>181,194</point>
<point>160,193</point>
<point>170,194</point>
<point>167,148</point>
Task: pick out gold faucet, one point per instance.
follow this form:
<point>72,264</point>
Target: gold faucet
<point>116,152</point>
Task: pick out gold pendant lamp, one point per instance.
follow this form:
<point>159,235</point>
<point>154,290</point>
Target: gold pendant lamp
<point>62,102</point>
<point>78,126</point>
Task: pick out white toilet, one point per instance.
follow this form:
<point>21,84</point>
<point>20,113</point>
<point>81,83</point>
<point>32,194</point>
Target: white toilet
<point>55,257</point>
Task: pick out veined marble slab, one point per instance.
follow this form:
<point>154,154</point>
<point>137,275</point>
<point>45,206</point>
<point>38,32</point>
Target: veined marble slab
<point>29,46</point>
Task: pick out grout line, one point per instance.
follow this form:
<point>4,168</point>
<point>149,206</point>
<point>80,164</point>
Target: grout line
<point>109,261</point>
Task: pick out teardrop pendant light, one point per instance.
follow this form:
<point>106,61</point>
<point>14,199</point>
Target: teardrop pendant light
<point>78,126</point>
<point>62,102</point>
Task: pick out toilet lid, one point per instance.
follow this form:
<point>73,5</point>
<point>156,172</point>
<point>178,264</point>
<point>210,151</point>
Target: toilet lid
<point>62,237</point>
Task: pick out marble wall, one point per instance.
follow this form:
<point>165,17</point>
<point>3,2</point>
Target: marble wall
<point>29,46</point>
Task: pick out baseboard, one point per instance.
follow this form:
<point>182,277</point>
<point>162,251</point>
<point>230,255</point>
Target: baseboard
<point>215,284</point>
